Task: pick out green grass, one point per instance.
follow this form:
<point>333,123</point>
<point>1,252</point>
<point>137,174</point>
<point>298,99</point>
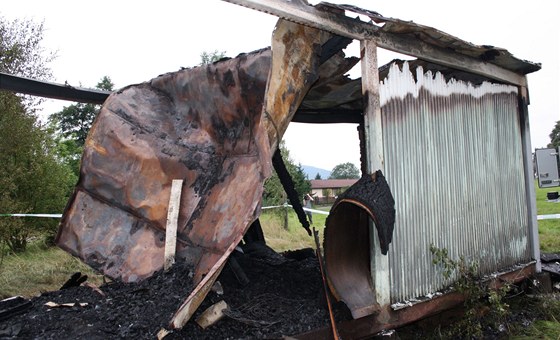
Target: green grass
<point>39,269</point>
<point>546,309</point>
<point>543,329</point>
<point>295,236</point>
<point>549,230</point>
<point>543,206</point>
<point>549,236</point>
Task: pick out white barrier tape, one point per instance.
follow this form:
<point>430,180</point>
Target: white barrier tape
<point>539,217</point>
<point>548,217</point>
<point>32,215</point>
<point>274,206</point>
<point>60,215</point>
<point>317,211</point>
<point>289,206</point>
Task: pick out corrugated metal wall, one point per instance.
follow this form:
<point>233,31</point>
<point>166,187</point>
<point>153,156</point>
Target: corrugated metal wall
<point>453,159</point>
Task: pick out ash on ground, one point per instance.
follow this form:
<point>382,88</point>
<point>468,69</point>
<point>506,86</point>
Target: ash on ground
<point>284,296</point>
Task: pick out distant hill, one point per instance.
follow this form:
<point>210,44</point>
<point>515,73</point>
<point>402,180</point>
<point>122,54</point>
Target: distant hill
<point>312,171</point>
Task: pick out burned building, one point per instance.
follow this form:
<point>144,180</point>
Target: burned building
<point>446,161</point>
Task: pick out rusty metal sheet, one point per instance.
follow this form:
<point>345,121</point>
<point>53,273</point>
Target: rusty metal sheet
<point>203,125</point>
<point>294,67</point>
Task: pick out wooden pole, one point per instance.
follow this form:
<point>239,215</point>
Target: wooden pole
<point>375,160</point>
<point>171,226</point>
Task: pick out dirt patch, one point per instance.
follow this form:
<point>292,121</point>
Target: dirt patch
<point>284,297</point>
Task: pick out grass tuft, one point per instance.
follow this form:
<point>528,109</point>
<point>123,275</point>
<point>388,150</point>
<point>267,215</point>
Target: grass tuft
<point>545,310</point>
<point>549,230</point>
<point>39,269</point>
<point>295,237</point>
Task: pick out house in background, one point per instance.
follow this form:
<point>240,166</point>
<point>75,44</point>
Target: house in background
<point>324,191</point>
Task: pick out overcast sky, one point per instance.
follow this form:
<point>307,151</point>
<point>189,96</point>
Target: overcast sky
<point>134,41</point>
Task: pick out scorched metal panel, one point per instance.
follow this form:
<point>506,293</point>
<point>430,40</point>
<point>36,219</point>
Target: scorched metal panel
<point>453,160</point>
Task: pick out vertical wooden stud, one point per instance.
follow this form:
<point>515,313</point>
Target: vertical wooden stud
<point>171,226</point>
<point>373,131</point>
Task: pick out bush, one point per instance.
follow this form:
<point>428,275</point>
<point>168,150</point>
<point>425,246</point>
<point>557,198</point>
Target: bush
<point>484,306</point>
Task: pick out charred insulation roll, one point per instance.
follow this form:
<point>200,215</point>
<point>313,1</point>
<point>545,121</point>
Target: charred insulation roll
<point>347,241</point>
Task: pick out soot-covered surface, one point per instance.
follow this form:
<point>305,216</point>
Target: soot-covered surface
<point>284,297</point>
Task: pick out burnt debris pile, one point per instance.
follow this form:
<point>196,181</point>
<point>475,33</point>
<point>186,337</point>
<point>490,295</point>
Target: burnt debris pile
<point>284,296</point>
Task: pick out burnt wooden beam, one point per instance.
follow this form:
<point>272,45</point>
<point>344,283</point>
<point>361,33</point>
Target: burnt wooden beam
<point>328,116</point>
<point>238,272</point>
<point>288,185</point>
<point>333,46</point>
<point>254,233</point>
<point>13,306</point>
<point>51,90</point>
<point>82,95</point>
<point>339,23</point>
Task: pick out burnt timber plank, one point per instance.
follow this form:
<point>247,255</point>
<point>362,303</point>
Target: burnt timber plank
<point>342,25</point>
<point>51,90</point>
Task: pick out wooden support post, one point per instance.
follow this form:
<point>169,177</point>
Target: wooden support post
<point>373,131</point>
<point>532,223</point>
<point>325,286</point>
<point>171,226</point>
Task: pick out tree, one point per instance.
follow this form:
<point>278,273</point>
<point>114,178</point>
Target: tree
<point>71,127</point>
<point>555,136</point>
<point>32,179</point>
<point>345,171</point>
<point>74,121</point>
<point>105,84</point>
<point>274,193</point>
<point>318,176</point>
<point>211,57</point>
<point>327,192</point>
<point>21,53</point>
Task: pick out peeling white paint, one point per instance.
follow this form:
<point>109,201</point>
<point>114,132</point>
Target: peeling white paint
<point>400,83</point>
